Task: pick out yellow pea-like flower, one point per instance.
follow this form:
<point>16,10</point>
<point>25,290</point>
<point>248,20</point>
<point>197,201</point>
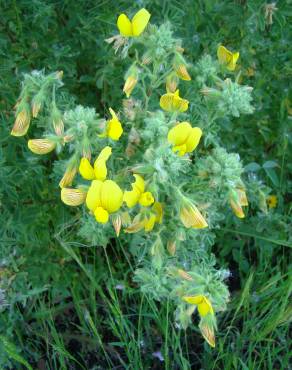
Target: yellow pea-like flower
<point>227,58</point>
<point>114,127</point>
<point>138,194</point>
<point>41,146</point>
<point>134,27</point>
<point>73,197</point>
<point>104,198</point>
<point>184,138</point>
<point>99,170</point>
<point>147,221</point>
<point>202,302</point>
<point>172,102</point>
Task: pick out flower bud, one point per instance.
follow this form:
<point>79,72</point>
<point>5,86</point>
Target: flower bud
<point>41,146</point>
<point>172,82</point>
<point>70,172</point>
<point>73,197</point>
<point>22,120</point>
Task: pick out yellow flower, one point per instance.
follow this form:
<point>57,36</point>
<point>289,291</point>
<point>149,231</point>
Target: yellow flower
<point>21,123</point>
<point>114,128</point>
<point>202,302</point>
<point>238,199</point>
<point>147,220</point>
<point>73,197</point>
<point>99,171</point>
<point>227,58</point>
<point>104,198</point>
<point>172,102</point>
<point>41,146</point>
<point>129,85</point>
<point>138,194</point>
<point>272,201</point>
<point>191,217</point>
<point>184,137</point>
<point>134,27</point>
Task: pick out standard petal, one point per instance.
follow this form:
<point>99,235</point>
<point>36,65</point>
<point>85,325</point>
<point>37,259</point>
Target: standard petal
<point>224,55</point>
<point>140,21</point>
<point>124,25</point>
<point>105,153</point>
<point>93,195</point>
<point>86,170</point>
<point>111,196</point>
<point>166,102</point>
<point>100,170</point>
<point>178,134</point>
<point>193,139</point>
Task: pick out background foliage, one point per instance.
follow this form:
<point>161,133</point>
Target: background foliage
<point>65,305</point>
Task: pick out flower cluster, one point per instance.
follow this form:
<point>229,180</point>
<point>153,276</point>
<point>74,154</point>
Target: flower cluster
<point>171,193</point>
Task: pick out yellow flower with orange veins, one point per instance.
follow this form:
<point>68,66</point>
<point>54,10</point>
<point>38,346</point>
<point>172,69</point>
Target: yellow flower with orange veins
<point>172,102</point>
<point>114,127</point>
<point>138,194</point>
<point>191,217</point>
<point>227,58</point>
<point>184,138</point>
<point>134,27</point>
<point>202,302</point>
<point>73,197</point>
<point>238,199</point>
<point>22,121</point>
<point>41,146</point>
<point>99,169</point>
<point>147,220</point>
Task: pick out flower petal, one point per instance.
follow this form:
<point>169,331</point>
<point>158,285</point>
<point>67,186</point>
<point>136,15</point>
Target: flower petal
<point>146,199</point>
<point>101,215</point>
<point>131,198</point>
<point>178,134</point>
<point>193,139</point>
<point>86,170</point>
<point>124,25</point>
<point>111,196</point>
<point>140,21</point>
<point>93,195</point>
<point>195,299</point>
